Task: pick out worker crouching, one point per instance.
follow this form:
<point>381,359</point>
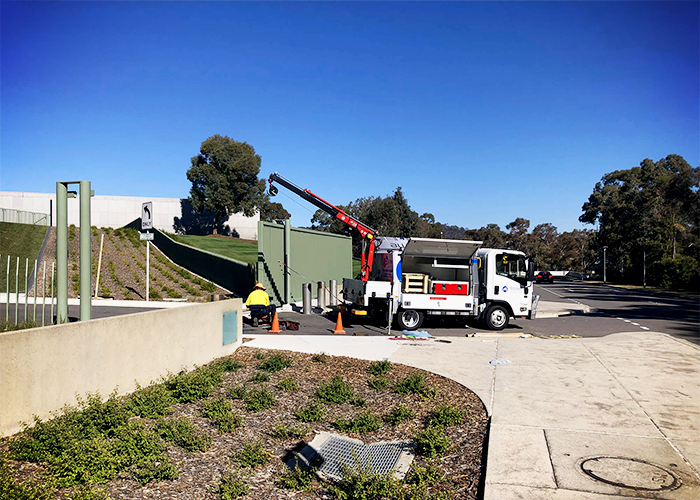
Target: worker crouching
<point>259,304</point>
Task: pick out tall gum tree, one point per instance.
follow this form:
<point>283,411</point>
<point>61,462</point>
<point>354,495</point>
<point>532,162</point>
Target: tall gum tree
<point>224,178</point>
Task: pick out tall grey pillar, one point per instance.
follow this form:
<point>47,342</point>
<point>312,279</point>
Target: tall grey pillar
<point>85,253</point>
<point>61,253</point>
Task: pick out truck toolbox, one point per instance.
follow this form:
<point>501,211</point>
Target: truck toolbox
<point>451,287</point>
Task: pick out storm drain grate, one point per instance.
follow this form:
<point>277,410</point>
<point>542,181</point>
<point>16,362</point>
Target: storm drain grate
<point>331,453</point>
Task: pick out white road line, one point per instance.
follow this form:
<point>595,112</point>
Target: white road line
<point>635,324</point>
<point>643,327</point>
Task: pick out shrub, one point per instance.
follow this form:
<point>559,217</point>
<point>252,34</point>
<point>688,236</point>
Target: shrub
<point>237,392</point>
<point>154,294</point>
<point>312,413</point>
<point>182,432</point>
<point>297,479</point>
<point>275,363</point>
<point>252,455</point>
<point>380,368</point>
<point>288,384</point>
<point>378,383</point>
<point>259,400</point>
<point>432,442</point>
<point>226,365</point>
<point>320,358</point>
<point>187,387</point>
<point>360,483</point>
<point>424,477</point>
<point>152,401</point>
<point>260,377</point>
<point>158,469</point>
<point>219,411</point>
<point>445,415</point>
<point>415,384</point>
<point>399,414</point>
<point>362,423</point>
<point>281,431</point>
<point>357,401</point>
<point>335,391</point>
<point>85,461</point>
<point>13,490</point>
<point>232,486</point>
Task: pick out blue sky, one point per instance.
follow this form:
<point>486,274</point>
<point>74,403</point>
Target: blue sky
<point>481,112</point>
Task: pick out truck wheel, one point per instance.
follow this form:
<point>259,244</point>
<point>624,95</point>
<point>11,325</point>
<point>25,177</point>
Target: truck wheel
<point>497,318</point>
<point>409,319</point>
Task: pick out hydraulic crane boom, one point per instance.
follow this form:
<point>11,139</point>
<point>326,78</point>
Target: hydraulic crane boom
<point>368,234</point>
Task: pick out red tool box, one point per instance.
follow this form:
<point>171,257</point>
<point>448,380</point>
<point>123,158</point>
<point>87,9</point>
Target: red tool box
<point>451,287</point>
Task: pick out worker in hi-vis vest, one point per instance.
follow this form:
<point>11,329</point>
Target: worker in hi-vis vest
<point>259,304</point>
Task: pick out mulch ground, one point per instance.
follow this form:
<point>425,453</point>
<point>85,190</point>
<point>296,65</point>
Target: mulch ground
<point>201,472</point>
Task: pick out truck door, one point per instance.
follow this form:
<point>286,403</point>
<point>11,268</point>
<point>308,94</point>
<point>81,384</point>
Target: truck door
<point>508,282</point>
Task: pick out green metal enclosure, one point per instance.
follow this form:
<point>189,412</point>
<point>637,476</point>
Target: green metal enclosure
<point>289,257</point>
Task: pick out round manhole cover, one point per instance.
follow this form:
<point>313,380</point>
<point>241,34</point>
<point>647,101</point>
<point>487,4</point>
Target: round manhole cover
<point>630,473</point>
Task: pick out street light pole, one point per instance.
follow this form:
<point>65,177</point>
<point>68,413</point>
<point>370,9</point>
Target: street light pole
<point>605,276</point>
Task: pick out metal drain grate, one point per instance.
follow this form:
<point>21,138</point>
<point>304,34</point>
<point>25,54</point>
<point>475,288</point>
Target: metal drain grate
<point>332,452</point>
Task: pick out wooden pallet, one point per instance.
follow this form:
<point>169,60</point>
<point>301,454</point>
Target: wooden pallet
<point>415,283</point>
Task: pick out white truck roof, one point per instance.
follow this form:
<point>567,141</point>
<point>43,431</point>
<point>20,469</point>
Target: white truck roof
<point>429,247</point>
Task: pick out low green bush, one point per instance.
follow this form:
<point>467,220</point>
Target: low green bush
<point>445,415</point>
<point>336,391</point>
<point>311,413</point>
<point>362,423</point>
<point>220,412</point>
<point>399,414</point>
<point>378,383</point>
<point>259,377</point>
<point>287,384</point>
<point>275,363</point>
<point>281,431</point>
<point>151,402</point>
<point>379,368</point>
<point>432,442</point>
<point>187,387</point>
<point>258,400</point>
<point>252,455</point>
<point>415,384</point>
<point>182,432</point>
<point>297,479</point>
<point>232,486</point>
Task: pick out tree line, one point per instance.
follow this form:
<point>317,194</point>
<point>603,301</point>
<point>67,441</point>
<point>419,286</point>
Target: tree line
<point>645,220</point>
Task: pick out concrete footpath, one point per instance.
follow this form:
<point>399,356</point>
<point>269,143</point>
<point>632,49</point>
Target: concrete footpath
<point>598,418</point>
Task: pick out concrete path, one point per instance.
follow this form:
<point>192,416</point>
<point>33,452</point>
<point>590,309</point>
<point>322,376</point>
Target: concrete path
<point>625,408</point>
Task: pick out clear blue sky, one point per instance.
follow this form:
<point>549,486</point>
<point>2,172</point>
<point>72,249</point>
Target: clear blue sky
<point>481,112</point>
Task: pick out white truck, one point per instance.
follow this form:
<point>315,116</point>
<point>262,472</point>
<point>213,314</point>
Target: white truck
<point>409,278</point>
<point>416,277</point>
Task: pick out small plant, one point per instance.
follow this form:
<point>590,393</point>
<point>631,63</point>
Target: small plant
<point>232,486</point>
<point>336,390</point>
<point>237,392</point>
<point>297,479</point>
<point>281,431</point>
<point>220,412</point>
<point>260,377</point>
<point>226,365</point>
<point>357,401</point>
<point>187,387</point>
<point>252,455</point>
<point>320,358</point>
<point>361,483</point>
<point>182,432</point>
<point>275,363</point>
<point>425,477</point>
<point>378,383</point>
<point>399,414</point>
<point>11,489</point>
<point>415,384</point>
<point>154,294</point>
<point>158,469</point>
<point>152,401</point>
<point>432,442</point>
<point>259,400</point>
<point>312,413</point>
<point>260,355</point>
<point>379,368</point>
<point>445,415</point>
<point>287,384</point>
<point>363,423</point>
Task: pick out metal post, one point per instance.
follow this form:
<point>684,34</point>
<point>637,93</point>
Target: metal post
<point>334,293</point>
<point>287,253</point>
<point>85,253</point>
<point>43,297</point>
<point>36,273</point>
<point>605,276</point>
<point>53,264</point>
<point>148,266</point>
<point>306,298</point>
<point>17,292</point>
<point>7,295</point>
<point>99,265</point>
<point>26,286</point>
<point>61,253</point>
<point>320,295</point>
<point>645,262</point>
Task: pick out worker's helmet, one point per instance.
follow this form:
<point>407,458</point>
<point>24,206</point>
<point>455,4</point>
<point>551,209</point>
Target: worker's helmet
<point>259,286</point>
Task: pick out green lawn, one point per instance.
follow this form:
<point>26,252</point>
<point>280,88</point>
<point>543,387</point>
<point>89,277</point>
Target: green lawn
<point>228,247</point>
<point>18,240</point>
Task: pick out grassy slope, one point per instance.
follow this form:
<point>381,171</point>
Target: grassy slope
<point>18,240</point>
<point>228,247</point>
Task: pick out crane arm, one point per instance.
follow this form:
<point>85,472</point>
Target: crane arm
<point>366,232</point>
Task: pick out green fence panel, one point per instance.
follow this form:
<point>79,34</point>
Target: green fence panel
<point>313,256</point>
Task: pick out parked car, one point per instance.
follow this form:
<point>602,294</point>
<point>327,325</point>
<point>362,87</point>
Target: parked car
<point>544,276</point>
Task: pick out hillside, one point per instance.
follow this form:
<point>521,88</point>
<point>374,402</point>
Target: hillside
<point>18,240</point>
<point>123,269</point>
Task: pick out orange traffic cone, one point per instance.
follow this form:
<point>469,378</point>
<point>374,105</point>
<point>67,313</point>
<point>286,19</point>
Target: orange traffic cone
<point>339,325</point>
<point>275,325</point>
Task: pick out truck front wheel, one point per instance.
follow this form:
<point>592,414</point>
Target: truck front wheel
<point>409,319</point>
<point>497,318</point>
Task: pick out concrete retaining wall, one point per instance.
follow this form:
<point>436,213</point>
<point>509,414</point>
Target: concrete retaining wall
<point>43,369</point>
<point>169,214</point>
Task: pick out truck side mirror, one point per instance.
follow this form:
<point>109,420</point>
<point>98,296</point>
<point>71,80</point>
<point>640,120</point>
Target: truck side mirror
<point>531,271</point>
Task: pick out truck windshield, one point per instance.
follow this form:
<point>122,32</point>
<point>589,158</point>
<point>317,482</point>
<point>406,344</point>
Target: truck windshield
<point>512,266</point>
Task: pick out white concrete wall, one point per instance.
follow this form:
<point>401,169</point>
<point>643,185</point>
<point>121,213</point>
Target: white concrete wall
<point>117,211</point>
<point>42,369</point>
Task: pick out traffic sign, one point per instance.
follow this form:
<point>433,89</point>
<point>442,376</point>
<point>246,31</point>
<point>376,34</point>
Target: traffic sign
<point>146,236</point>
<point>147,215</point>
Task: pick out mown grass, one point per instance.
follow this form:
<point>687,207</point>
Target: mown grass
<point>18,240</point>
<point>227,247</point>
